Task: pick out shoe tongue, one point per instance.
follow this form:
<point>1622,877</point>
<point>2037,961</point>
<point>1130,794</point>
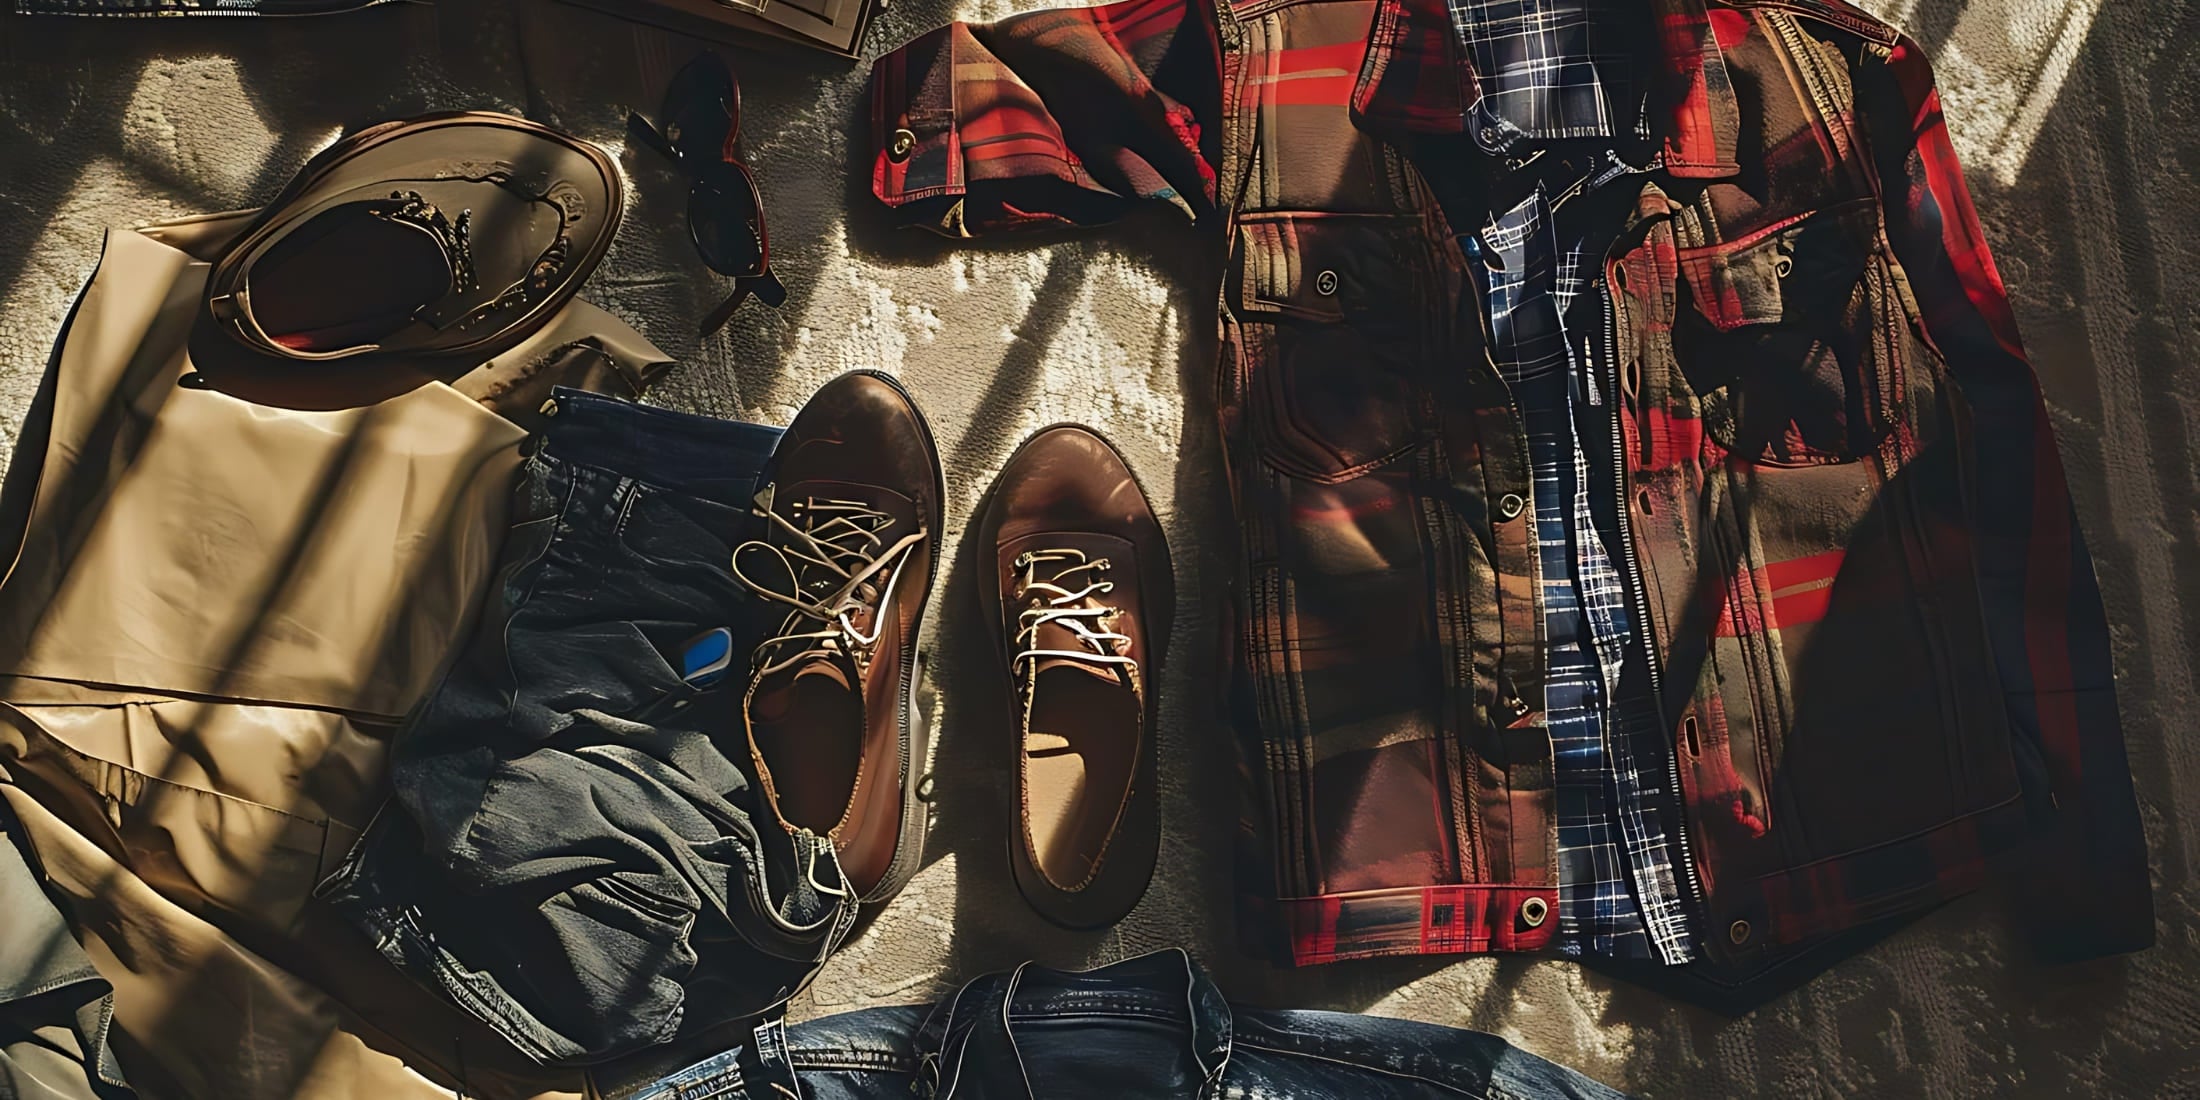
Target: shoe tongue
<point>777,694</point>
<point>834,670</point>
<point>1056,634</point>
<point>1056,665</point>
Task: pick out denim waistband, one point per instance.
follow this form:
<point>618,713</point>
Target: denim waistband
<point>974,1033</point>
<point>716,460</point>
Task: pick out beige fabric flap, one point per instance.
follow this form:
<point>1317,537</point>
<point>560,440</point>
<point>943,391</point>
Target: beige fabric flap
<point>186,541</point>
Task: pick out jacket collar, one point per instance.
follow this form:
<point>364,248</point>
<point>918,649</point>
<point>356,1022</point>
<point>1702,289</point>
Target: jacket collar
<point>1417,80</point>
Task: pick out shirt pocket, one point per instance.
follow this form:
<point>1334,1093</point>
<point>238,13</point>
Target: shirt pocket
<point>1795,345</point>
<point>1336,316</point>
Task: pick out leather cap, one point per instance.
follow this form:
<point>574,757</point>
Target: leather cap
<point>455,234</point>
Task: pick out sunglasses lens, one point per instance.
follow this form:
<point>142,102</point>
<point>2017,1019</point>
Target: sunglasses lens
<point>700,109</point>
<point>722,215</point>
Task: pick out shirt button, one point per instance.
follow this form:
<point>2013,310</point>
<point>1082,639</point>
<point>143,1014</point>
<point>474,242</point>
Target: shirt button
<point>899,147</point>
<point>1510,506</point>
<point>1325,283</point>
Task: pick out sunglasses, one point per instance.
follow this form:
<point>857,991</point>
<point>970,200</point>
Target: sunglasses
<point>697,129</point>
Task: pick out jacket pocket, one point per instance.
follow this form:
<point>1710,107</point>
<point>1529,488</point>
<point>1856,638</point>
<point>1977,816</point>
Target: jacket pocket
<point>1796,343</point>
<point>1336,336</point>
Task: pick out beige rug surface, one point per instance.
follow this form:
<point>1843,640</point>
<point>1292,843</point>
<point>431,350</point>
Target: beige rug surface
<point>2079,122</point>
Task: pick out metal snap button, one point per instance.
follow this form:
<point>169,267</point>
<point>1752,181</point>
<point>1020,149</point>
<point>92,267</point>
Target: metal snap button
<point>1510,506</point>
<point>1489,135</point>
<point>1738,932</point>
<point>1533,912</point>
<point>1325,284</point>
<point>899,148</point>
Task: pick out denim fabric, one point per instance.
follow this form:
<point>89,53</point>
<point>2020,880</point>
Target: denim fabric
<point>571,852</point>
<point>1152,1028</point>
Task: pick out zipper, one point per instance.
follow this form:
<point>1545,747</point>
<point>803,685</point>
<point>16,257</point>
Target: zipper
<point>1639,596</point>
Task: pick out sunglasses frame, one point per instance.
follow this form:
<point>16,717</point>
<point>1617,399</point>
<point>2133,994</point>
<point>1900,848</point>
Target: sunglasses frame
<point>716,176</point>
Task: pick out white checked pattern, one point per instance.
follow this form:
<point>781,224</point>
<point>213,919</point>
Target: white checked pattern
<point>1540,70</point>
<point>1617,894</point>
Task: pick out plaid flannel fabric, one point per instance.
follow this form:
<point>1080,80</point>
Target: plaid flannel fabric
<point>1401,788</point>
<point>1547,69</point>
<point>1614,865</point>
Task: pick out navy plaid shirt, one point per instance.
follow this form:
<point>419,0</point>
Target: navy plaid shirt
<point>1616,883</point>
<point>1549,69</point>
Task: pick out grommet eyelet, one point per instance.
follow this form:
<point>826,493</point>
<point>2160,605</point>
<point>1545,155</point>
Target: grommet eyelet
<point>1325,284</point>
<point>901,145</point>
<point>1534,911</point>
<point>1738,932</point>
<point>1510,506</point>
<point>1782,265</point>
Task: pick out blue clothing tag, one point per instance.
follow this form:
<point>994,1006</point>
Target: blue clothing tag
<point>705,657</point>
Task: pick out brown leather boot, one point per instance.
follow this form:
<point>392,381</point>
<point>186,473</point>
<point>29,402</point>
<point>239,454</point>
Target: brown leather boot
<point>1081,598</point>
<point>848,521</point>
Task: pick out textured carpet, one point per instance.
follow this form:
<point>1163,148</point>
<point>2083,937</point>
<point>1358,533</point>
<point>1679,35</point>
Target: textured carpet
<point>2076,120</point>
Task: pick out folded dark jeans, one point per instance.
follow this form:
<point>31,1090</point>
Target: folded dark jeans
<point>1150,1028</point>
<point>570,852</point>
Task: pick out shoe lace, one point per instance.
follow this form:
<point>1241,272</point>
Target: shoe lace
<point>837,563</point>
<point>1056,603</point>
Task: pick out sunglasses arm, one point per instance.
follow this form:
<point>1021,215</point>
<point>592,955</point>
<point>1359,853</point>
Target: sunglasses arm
<point>766,287</point>
<point>639,130</point>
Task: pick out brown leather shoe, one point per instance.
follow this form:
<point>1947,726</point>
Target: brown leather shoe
<point>841,562</point>
<point>1081,598</point>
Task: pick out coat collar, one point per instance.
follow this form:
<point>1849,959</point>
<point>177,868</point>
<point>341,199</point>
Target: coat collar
<point>1416,79</point>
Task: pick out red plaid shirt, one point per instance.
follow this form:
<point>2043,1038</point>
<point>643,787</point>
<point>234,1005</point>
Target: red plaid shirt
<point>1882,658</point>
